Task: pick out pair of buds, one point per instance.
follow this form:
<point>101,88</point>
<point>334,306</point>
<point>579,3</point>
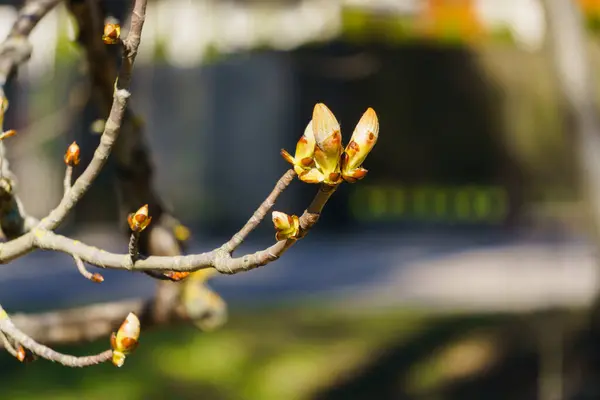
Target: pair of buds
<point>125,340</point>
<point>319,156</point>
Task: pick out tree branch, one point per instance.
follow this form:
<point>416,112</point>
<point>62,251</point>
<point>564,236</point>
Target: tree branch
<point>195,302</point>
<point>113,123</point>
<point>96,321</point>
<point>260,213</point>
<point>14,51</point>
<point>220,258</point>
<point>9,329</point>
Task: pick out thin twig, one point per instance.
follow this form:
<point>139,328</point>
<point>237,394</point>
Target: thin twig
<point>260,212</point>
<point>46,352</point>
<point>8,328</point>
<point>8,345</point>
<point>68,179</point>
<point>14,51</point>
<point>220,259</point>
<point>133,246</point>
<point>96,321</point>
<point>94,277</point>
<point>227,265</point>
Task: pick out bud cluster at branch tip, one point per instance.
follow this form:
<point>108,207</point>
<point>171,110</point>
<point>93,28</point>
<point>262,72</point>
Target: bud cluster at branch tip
<point>287,226</point>
<point>72,155</point>
<point>112,33</point>
<point>320,157</point>
<point>125,340</point>
<point>139,220</point>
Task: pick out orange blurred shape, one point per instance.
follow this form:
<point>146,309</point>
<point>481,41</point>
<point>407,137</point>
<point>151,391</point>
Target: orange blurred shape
<point>457,17</point>
<point>589,6</point>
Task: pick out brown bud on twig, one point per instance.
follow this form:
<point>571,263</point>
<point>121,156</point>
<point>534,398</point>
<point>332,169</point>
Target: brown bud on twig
<point>125,340</point>
<point>139,220</point>
<point>176,276</point>
<point>72,155</point>
<point>21,354</point>
<point>7,134</point>
<point>112,33</point>
<point>25,356</point>
<point>94,277</point>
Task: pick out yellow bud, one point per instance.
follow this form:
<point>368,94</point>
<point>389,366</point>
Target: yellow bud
<point>362,141</point>
<point>305,149</point>
<point>287,226</point>
<point>139,220</point>
<point>112,33</point>
<point>328,138</point>
<point>21,353</point>
<point>7,134</point>
<point>126,339</point>
<point>72,155</point>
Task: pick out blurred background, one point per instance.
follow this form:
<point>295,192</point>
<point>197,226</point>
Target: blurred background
<point>462,266</point>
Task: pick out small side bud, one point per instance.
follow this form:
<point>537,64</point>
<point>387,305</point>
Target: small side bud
<point>305,149</point>
<point>7,134</point>
<point>177,276</point>
<point>21,353</point>
<point>139,220</point>
<point>125,340</point>
<point>361,143</point>
<point>112,33</point>
<point>287,226</point>
<point>24,355</point>
<point>72,155</point>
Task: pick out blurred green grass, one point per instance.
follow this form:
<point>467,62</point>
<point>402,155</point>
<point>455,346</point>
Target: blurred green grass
<point>277,353</point>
